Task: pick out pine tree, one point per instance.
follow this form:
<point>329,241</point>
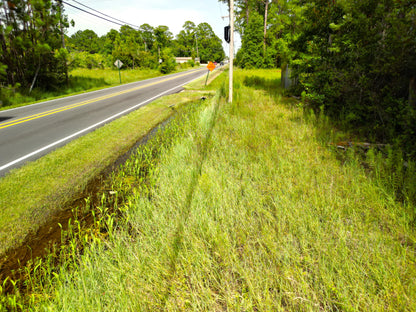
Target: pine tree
<point>250,53</point>
<point>31,43</point>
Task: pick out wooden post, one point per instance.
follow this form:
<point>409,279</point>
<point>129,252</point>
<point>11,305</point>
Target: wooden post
<point>61,9</point>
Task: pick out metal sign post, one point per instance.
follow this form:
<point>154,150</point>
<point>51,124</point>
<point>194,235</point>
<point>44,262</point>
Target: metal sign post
<point>118,64</point>
<point>211,66</point>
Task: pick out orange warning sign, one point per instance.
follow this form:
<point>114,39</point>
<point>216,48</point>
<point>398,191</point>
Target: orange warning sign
<point>211,66</point>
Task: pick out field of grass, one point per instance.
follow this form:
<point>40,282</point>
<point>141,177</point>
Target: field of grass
<point>235,207</point>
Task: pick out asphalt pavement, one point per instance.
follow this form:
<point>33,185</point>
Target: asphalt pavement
<point>30,132</point>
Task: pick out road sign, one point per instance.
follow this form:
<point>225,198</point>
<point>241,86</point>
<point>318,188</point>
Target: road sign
<point>211,66</point>
<point>118,64</point>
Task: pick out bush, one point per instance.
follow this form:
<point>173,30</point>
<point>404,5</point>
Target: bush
<point>355,60</point>
<point>168,61</point>
<point>87,60</point>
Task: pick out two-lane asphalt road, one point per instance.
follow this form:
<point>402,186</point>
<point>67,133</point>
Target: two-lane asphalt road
<point>29,132</point>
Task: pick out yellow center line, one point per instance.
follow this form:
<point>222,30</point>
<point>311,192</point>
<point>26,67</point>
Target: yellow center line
<point>72,106</point>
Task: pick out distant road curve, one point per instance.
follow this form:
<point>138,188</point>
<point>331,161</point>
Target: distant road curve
<point>30,132</point>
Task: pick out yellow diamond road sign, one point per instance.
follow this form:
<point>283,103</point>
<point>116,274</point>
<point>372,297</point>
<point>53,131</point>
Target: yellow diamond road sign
<point>211,66</point>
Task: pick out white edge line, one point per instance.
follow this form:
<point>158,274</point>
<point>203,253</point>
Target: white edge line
<point>92,92</point>
<point>88,128</point>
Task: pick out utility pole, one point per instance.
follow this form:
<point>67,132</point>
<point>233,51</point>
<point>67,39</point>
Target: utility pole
<point>231,52</point>
<point>197,52</point>
<point>61,9</point>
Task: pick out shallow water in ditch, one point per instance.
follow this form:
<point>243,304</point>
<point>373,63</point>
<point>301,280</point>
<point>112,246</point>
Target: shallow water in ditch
<point>38,244</point>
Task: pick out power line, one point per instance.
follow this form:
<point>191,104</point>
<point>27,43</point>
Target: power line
<point>124,23</point>
<point>86,18</point>
<point>94,14</point>
<point>91,13</point>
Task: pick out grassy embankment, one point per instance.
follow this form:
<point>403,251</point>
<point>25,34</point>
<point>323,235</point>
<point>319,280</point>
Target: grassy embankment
<point>237,207</point>
<point>29,196</point>
<point>81,80</point>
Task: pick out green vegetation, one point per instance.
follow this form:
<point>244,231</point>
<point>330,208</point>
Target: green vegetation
<point>256,205</point>
<point>29,196</point>
<point>352,60</point>
<point>31,47</point>
<point>241,206</point>
<point>36,57</point>
<point>144,47</point>
<point>355,61</point>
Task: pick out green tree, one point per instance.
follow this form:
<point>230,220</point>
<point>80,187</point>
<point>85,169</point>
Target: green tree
<point>85,41</point>
<point>108,42</point>
<point>186,40</point>
<point>355,60</point>
<point>163,39</point>
<point>250,53</point>
<point>209,45</point>
<point>131,40</point>
<point>285,17</point>
<point>147,35</point>
<point>121,51</point>
<point>245,11</point>
<point>168,61</point>
<point>30,43</point>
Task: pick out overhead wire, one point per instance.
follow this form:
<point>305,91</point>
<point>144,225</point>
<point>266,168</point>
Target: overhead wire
<point>103,18</point>
<point>85,20</point>
<point>92,9</point>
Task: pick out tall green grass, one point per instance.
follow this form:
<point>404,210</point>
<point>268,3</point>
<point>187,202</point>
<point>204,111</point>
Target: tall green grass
<point>31,195</point>
<point>240,207</point>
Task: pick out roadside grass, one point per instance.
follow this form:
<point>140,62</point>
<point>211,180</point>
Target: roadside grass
<point>236,207</point>
<point>243,209</point>
<point>33,193</point>
<point>81,80</point>
<point>109,77</point>
<point>208,84</point>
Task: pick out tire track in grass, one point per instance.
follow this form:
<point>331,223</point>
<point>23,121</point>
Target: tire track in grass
<point>179,232</point>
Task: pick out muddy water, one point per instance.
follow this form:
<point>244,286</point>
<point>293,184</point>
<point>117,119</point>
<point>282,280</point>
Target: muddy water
<point>38,244</point>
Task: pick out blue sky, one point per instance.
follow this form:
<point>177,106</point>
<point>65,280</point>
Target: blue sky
<point>171,13</point>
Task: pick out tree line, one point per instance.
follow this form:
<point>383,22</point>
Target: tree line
<point>31,44</point>
<point>353,60</point>
<point>35,51</point>
<point>144,47</point>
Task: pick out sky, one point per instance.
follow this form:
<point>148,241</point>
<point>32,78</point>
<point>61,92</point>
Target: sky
<point>171,13</point>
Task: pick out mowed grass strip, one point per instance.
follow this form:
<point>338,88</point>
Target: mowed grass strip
<point>29,196</point>
<point>247,211</point>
